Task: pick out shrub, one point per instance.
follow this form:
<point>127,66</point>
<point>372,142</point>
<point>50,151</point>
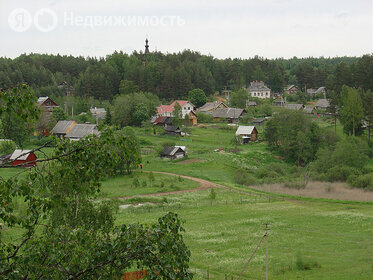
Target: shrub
<point>212,194</point>
<point>205,118</point>
<point>144,184</point>
<point>136,183</point>
<point>295,185</point>
<point>363,181</point>
<point>302,264</point>
<point>341,173</point>
<point>7,147</point>
<point>242,177</point>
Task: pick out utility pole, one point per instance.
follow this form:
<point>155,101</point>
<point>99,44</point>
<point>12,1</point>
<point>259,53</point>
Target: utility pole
<point>266,236</point>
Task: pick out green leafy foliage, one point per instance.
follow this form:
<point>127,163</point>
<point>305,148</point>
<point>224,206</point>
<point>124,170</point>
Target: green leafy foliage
<point>197,97</point>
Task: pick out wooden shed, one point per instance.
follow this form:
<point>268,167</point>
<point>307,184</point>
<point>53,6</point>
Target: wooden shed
<point>23,158</point>
<point>173,152</point>
<point>247,133</point>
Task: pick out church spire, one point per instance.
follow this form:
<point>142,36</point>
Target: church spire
<point>146,46</point>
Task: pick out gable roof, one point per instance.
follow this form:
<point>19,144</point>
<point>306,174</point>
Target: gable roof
<point>20,155</point>
<point>244,130</point>
<point>290,87</point>
<point>163,120</point>
<point>294,106</point>
<point>171,128</point>
<point>170,108</point>
<point>82,130</point>
<point>323,103</point>
<point>171,150</point>
<point>258,120</point>
<point>209,106</point>
<point>321,90</point>
<point>62,127</point>
<point>229,113</point>
<point>43,99</point>
<point>308,109</point>
<point>258,86</point>
<point>99,112</point>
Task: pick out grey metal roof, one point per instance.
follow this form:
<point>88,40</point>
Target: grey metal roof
<point>308,110</point>
<point>251,103</point>
<point>321,90</point>
<point>291,87</point>
<point>258,120</point>
<point>171,150</point>
<point>210,106</point>
<point>322,103</point>
<point>100,113</point>
<point>294,106</point>
<point>20,155</point>
<point>171,128</point>
<point>229,113</point>
<point>62,126</point>
<point>82,130</point>
<point>42,99</point>
<point>258,86</point>
<point>244,130</point>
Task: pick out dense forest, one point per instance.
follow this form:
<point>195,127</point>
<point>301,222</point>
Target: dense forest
<point>172,76</point>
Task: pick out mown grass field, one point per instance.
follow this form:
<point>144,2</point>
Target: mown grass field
<point>334,241</point>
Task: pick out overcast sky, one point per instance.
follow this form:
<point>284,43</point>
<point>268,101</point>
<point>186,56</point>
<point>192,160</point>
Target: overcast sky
<point>235,28</point>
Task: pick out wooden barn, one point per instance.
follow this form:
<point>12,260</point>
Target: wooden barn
<point>23,158</point>
<point>247,133</point>
<point>173,152</point>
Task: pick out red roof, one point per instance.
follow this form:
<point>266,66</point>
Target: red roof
<point>170,108</point>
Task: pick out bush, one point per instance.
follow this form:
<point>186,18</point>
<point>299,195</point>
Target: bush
<point>295,185</point>
<point>136,183</point>
<point>205,118</point>
<point>303,264</point>
<point>341,173</point>
<point>7,147</point>
<point>363,181</point>
<point>212,194</point>
<point>242,177</point>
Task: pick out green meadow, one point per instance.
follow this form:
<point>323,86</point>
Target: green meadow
<point>308,238</point>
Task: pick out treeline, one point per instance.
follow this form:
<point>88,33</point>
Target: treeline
<point>172,76</point>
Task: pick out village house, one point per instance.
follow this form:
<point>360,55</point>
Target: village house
<point>296,107</point>
<point>172,130</point>
<point>292,89</point>
<point>309,110</point>
<point>187,109</point>
<point>232,115</point>
<point>210,107</point>
<point>62,128</point>
<point>259,90</point>
<point>250,103</point>
<point>247,133</point>
<point>258,121</point>
<point>163,121</point>
<point>47,104</point>
<point>98,113</point>
<point>279,103</point>
<point>79,131</point>
<point>23,158</point>
<point>173,152</point>
<point>322,104</point>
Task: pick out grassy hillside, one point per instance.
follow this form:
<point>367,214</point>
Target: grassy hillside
<point>308,240</point>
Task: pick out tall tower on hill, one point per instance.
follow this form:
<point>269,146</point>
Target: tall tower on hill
<point>146,46</point>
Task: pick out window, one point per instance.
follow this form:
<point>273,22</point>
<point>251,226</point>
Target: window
<point>188,108</point>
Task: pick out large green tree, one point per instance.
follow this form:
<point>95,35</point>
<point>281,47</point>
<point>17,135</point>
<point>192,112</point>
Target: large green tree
<point>197,97</point>
<point>352,111</point>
